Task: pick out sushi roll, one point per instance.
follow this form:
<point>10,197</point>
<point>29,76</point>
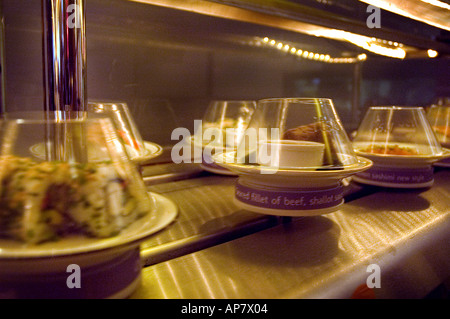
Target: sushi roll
<point>44,201</point>
<point>25,195</point>
<point>105,203</point>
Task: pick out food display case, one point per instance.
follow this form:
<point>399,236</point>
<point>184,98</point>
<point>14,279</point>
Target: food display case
<point>302,83</point>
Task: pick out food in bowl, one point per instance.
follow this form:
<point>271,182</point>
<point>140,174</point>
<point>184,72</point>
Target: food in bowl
<point>442,131</point>
<point>390,150</point>
<point>314,132</point>
<point>44,201</point>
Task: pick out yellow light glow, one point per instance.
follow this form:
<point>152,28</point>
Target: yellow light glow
<point>438,4</point>
<point>407,9</point>
<point>362,56</point>
<point>307,54</point>
<point>364,42</point>
<point>432,53</point>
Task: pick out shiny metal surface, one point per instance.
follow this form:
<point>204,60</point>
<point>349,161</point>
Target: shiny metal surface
<point>2,61</point>
<point>64,46</point>
<point>207,215</point>
<point>169,172</point>
<point>433,12</point>
<point>300,18</point>
<point>404,232</point>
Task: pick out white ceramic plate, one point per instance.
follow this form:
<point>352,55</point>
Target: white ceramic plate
<point>400,162</point>
<point>164,213</point>
<point>210,168</point>
<point>226,160</point>
<point>403,160</point>
<point>152,150</point>
<point>445,162</point>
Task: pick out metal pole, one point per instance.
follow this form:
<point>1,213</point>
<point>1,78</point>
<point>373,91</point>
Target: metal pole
<point>356,94</point>
<point>64,53</point>
<point>2,62</point>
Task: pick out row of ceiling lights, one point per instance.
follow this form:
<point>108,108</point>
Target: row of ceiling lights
<point>327,58</point>
<point>311,55</point>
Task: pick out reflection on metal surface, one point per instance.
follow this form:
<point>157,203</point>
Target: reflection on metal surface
<point>64,55</point>
<point>292,17</point>
<point>432,53</point>
<point>370,44</point>
<point>323,256</point>
<point>2,62</point>
<point>432,12</point>
<point>207,214</point>
<point>290,48</point>
<point>205,208</point>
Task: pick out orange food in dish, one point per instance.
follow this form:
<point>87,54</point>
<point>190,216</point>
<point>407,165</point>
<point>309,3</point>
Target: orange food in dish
<point>442,129</point>
<point>390,150</point>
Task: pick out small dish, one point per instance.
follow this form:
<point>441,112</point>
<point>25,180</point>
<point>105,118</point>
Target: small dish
<point>138,150</point>
<point>151,151</point>
<point>291,153</point>
<point>288,192</point>
<point>81,202</point>
<point>292,159</point>
<point>99,261</point>
<point>73,248</point>
<point>402,146</point>
<point>222,128</point>
<point>439,118</point>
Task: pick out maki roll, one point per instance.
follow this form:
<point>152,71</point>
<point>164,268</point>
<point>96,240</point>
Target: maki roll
<point>24,213</point>
<point>47,200</point>
<point>104,203</point>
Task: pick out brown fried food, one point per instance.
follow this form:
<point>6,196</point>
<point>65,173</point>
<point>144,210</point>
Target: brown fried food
<point>311,132</point>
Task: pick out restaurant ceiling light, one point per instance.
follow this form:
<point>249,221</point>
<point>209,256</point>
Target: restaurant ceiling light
<point>290,48</point>
<point>280,17</point>
<point>432,12</point>
<point>432,53</point>
<point>377,46</point>
<point>438,4</point>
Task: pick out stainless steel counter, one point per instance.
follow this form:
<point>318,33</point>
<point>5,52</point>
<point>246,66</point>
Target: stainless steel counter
<point>214,250</point>
<point>207,215</point>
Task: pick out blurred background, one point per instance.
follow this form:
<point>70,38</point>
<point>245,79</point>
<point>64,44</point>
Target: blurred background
<point>168,59</point>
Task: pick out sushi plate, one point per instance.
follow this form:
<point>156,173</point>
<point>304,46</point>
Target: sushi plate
<point>163,214</point>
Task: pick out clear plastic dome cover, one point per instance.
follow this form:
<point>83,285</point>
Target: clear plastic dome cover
<point>224,123</point>
<point>396,131</point>
<point>127,130</point>
<point>439,118</point>
<point>62,177</point>
<point>296,133</point>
